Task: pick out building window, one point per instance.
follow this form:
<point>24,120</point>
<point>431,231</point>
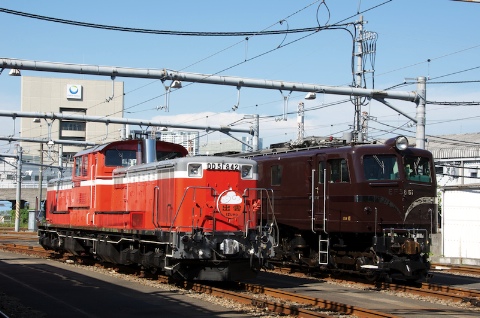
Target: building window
<point>73,129</point>
<point>73,125</point>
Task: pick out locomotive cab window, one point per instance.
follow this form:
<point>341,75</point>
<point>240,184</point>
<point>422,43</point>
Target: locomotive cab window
<point>321,172</point>
<point>78,166</point>
<point>81,166</point>
<point>339,170</point>
<point>123,158</point>
<point>380,167</point>
<point>166,155</point>
<point>417,169</point>
<point>276,175</point>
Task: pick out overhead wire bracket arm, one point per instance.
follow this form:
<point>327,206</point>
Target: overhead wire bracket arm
<point>383,101</point>
<point>240,141</point>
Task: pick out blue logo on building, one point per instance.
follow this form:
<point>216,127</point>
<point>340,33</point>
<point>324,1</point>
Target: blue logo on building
<point>73,90</point>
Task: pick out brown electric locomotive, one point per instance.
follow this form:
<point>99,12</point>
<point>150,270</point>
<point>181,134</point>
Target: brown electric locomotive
<point>362,208</point>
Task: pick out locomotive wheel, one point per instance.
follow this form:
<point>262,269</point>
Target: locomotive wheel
<point>372,276</point>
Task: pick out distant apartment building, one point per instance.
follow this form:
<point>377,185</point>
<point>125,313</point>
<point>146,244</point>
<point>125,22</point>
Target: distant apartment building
<point>188,139</point>
<point>228,144</point>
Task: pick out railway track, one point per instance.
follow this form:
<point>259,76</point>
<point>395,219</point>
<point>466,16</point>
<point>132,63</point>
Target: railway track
<point>273,300</point>
<point>25,249</point>
<point>278,301</point>
<point>448,293</point>
<point>424,289</point>
<point>287,303</point>
<point>460,269</point>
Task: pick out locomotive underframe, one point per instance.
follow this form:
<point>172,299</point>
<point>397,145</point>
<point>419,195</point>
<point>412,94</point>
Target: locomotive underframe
<point>398,254</point>
<point>191,256</point>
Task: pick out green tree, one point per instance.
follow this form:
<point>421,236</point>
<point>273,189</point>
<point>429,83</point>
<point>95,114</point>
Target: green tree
<point>23,216</point>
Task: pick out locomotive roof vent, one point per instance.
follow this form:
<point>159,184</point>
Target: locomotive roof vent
<point>400,143</point>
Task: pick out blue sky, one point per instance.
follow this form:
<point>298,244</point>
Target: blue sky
<point>410,32</point>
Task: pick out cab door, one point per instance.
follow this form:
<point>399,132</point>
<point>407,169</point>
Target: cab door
<point>320,193</point>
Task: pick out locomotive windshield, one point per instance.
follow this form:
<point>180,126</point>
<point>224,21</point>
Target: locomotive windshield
<point>123,158</point>
<point>165,155</point>
<point>417,168</point>
<point>380,167</point>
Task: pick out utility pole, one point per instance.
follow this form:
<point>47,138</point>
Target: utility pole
<point>255,130</point>
<point>357,130</point>
<point>300,121</point>
<point>256,133</point>
<point>40,182</point>
<point>19,189</point>
<point>420,117</point>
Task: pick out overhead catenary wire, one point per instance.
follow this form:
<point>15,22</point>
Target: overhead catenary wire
<point>159,32</point>
<point>141,103</point>
<point>316,29</point>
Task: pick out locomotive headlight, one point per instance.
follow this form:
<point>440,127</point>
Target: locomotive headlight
<point>401,143</point>
<point>247,172</point>
<point>195,170</point>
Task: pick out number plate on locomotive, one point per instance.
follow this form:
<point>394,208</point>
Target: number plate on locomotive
<point>223,166</point>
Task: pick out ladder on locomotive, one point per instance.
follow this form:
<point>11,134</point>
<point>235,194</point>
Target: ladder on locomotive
<point>323,243</point>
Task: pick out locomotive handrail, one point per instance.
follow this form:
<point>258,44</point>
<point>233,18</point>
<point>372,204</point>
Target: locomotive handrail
<point>324,219</point>
<point>325,201</point>
<point>214,194</point>
<point>313,202</point>
<point>156,190</point>
<point>271,205</point>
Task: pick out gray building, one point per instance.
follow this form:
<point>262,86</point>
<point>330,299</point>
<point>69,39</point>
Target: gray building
<point>66,96</point>
<point>228,144</point>
<point>70,96</point>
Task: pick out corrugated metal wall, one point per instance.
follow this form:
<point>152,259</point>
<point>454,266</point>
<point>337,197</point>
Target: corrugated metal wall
<point>451,153</point>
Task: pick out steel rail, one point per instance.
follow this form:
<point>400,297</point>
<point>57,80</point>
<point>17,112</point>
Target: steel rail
<point>317,302</point>
<point>436,291</point>
<point>462,269</point>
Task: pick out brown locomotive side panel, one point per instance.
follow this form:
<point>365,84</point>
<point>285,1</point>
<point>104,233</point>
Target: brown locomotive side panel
<point>353,201</point>
<point>290,182</point>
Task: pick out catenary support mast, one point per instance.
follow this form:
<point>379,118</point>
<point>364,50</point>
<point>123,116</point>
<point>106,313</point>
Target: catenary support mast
<point>421,101</point>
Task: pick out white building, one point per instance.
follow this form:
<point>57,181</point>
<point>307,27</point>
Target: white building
<point>460,224</point>
<point>188,139</point>
<point>457,160</point>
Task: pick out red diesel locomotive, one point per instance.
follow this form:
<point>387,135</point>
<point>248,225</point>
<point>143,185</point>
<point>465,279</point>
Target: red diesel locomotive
<point>359,208</point>
<point>145,202</point>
